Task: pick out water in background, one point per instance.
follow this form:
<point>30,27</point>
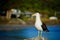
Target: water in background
<point>31,32</point>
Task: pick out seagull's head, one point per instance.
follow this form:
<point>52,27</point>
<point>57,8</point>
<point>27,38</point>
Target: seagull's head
<point>36,14</point>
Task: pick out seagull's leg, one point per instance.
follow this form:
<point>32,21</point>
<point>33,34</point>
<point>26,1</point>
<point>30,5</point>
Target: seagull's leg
<point>38,33</point>
<point>41,33</point>
<point>41,36</point>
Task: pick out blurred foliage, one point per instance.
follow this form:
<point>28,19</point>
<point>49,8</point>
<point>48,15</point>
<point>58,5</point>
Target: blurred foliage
<point>44,6</point>
<point>31,4</point>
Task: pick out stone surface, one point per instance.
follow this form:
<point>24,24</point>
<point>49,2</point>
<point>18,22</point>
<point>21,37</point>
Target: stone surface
<point>17,21</point>
<point>37,38</point>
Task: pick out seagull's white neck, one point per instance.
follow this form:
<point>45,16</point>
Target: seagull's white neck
<point>38,19</point>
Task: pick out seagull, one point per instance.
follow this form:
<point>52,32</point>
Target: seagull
<point>39,25</point>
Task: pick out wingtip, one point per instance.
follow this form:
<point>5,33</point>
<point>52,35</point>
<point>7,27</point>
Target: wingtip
<point>46,30</point>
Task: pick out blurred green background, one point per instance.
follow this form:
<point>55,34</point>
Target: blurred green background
<point>48,8</point>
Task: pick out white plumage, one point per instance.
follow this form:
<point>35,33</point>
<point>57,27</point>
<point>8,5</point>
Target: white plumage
<point>40,26</point>
<point>38,22</point>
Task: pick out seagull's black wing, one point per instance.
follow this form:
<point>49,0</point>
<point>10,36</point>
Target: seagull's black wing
<point>44,27</point>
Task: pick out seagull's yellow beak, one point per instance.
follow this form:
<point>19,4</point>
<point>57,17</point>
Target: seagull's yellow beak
<point>33,14</point>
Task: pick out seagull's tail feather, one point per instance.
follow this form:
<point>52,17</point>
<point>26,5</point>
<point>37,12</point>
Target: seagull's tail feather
<point>44,27</point>
<point>46,30</point>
